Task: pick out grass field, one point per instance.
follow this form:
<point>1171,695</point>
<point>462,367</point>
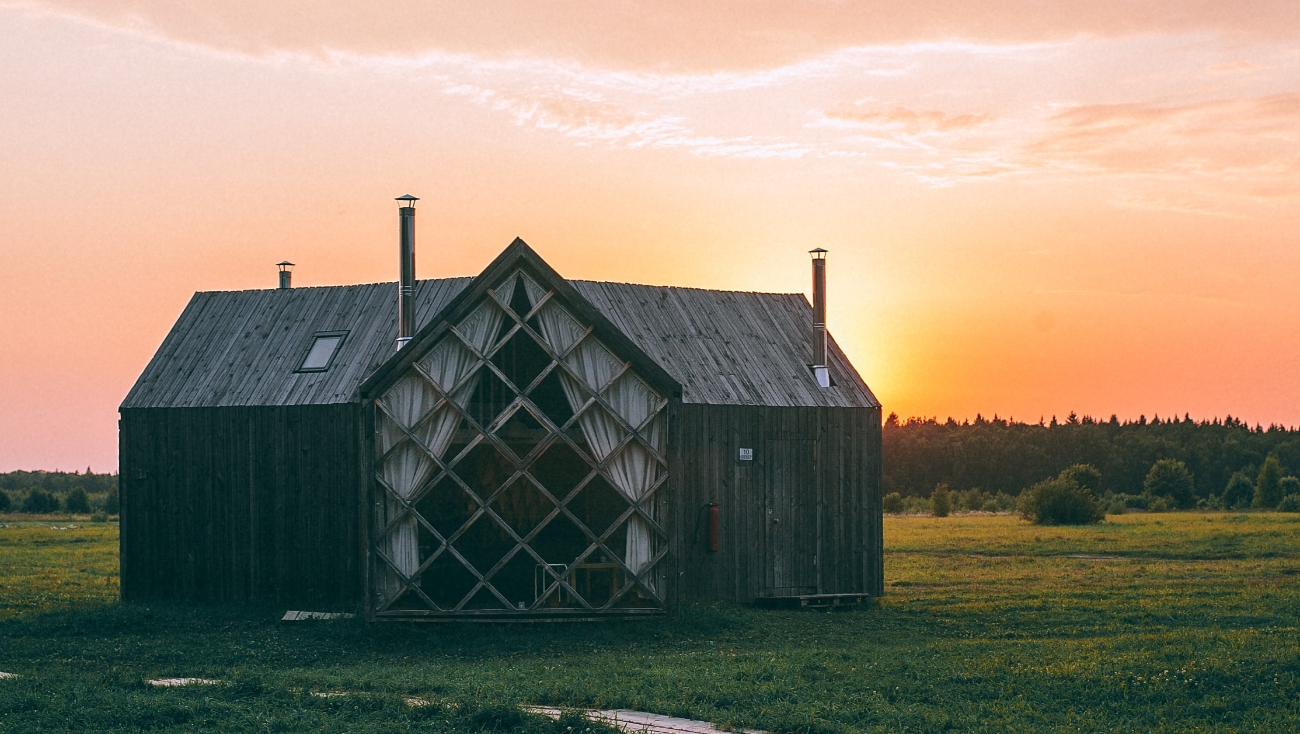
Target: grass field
<point>1162,622</point>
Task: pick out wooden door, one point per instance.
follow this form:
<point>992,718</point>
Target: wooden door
<point>790,492</point>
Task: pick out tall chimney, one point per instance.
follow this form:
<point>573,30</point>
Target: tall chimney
<point>819,317</point>
<point>285,275</point>
<point>406,285</point>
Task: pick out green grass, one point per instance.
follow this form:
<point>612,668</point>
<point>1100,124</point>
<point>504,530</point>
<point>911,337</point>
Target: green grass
<point>1176,622</point>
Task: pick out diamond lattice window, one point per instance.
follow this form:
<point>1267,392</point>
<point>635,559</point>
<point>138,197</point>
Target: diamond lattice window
<point>518,462</point>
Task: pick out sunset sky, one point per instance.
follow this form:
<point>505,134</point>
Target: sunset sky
<point>1028,211</point>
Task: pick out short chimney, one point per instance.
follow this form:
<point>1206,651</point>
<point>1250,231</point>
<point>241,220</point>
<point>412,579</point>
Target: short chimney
<point>406,265</point>
<point>820,372</point>
<point>285,275</point>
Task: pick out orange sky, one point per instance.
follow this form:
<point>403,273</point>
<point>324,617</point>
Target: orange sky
<point>1028,212</point>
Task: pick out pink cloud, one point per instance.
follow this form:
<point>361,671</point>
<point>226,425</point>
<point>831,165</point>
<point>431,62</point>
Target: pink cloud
<point>670,35</point>
<point>910,121</point>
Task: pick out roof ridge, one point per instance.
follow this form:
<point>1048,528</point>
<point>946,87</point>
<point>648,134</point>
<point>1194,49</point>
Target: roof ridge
<point>471,277</point>
<point>336,285</point>
<point>688,288</point>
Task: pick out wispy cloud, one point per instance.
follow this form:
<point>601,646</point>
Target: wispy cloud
<point>592,120</point>
<point>1255,140</point>
<point>900,119</point>
<point>1240,66</point>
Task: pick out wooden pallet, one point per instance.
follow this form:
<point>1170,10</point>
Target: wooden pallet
<point>813,601</point>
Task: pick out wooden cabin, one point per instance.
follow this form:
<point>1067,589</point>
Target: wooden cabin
<point>537,447</point>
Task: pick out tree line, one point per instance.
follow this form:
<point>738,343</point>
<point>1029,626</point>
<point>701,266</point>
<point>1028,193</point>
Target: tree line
<point>57,491</point>
<point>1001,456</point>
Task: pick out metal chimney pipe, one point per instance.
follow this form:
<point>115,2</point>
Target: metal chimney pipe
<point>285,276</point>
<point>406,264</point>
<point>819,317</point>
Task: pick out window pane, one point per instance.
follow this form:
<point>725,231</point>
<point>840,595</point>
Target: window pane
<point>321,351</point>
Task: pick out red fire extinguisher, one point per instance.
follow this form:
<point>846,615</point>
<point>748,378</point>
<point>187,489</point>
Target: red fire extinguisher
<point>713,526</point>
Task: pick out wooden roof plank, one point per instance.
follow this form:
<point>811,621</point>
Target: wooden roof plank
<point>722,347</point>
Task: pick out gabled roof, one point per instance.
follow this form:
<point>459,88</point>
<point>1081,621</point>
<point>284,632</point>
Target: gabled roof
<point>730,347</point>
<point>720,347</point>
<point>244,347</point>
<point>515,257</point>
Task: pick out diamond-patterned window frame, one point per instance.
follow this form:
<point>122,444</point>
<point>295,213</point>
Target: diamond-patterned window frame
<point>597,543</point>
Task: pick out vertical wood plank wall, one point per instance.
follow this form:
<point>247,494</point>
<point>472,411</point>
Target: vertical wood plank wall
<point>816,470</point>
<point>242,504</point>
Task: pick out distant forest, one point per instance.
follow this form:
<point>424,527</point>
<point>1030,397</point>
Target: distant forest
<point>996,455</point>
<point>55,491</point>
<point>992,455</point>
<point>57,482</point>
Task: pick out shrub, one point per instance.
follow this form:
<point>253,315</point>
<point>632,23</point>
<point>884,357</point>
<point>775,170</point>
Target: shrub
<point>111,501</point>
<point>940,501</point>
<point>1060,501</point>
<point>76,501</point>
<point>1000,502</point>
<point>1239,492</point>
<point>1159,504</point>
<point>99,516</point>
<point>1085,475</point>
<point>1131,501</point>
<point>1170,479</point>
<point>1117,507</point>
<point>1289,503</point>
<point>1210,503</point>
<point>1289,486</point>
<point>1268,485</point>
<point>893,503</point>
<point>916,505</point>
<point>970,500</point>
<point>39,501</point>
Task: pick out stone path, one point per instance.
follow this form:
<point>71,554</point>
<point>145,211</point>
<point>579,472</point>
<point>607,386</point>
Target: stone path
<point>638,721</point>
<point>175,682</point>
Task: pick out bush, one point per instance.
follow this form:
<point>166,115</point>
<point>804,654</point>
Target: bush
<point>99,516</point>
<point>1170,479</point>
<point>1289,486</point>
<point>1289,503</point>
<point>1085,475</point>
<point>970,500</point>
<point>1117,507</point>
<point>1130,501</point>
<point>1268,485</point>
<point>893,503</point>
<point>1210,503</point>
<point>940,501</point>
<point>39,501</point>
<point>916,505</point>
<point>1239,492</point>
<point>1060,501</point>
<point>111,501</point>
<point>76,502</point>
<point>1159,504</point>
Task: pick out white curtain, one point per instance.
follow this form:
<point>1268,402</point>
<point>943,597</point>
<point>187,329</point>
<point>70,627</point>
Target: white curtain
<point>634,470</point>
<point>408,401</point>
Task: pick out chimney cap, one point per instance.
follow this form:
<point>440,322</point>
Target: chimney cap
<point>284,265</point>
<point>818,253</point>
<point>407,200</point>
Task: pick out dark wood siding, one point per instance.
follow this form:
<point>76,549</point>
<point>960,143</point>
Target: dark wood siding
<point>242,504</point>
<point>803,516</point>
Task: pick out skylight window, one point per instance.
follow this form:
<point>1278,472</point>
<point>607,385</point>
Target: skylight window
<point>323,348</point>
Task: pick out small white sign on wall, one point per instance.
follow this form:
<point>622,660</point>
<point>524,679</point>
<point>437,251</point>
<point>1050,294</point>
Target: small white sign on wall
<point>746,454</point>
